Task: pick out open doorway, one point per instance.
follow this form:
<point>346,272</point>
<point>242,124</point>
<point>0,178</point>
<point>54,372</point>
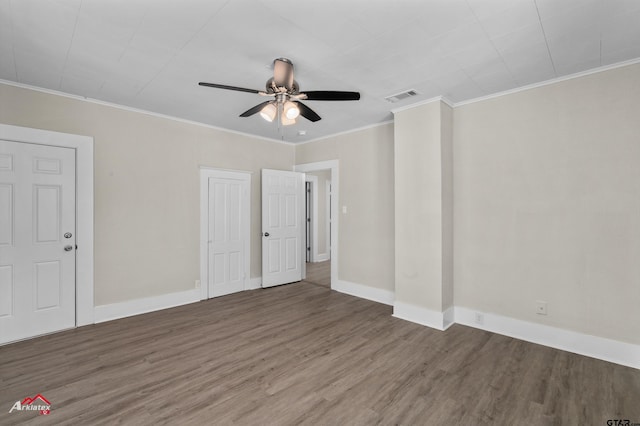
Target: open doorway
<point>318,227</point>
<point>322,220</point>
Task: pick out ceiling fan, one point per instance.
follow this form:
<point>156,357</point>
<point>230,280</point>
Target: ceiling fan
<point>286,104</point>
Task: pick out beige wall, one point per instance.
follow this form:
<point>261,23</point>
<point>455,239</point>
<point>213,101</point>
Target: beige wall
<point>147,187</point>
<point>547,204</point>
<point>322,218</point>
<point>366,232</point>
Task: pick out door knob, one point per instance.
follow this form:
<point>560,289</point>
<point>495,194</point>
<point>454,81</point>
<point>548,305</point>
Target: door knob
<point>266,234</point>
<point>68,235</point>
<point>68,248</point>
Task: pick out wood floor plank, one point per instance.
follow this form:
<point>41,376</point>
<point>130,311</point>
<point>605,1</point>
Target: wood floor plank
<point>303,354</point>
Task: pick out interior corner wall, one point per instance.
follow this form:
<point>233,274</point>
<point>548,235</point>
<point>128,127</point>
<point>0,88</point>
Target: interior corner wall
<point>147,187</point>
<point>366,231</point>
<point>547,204</point>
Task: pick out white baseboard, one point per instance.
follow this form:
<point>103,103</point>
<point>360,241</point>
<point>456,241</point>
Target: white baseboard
<point>130,308</point>
<point>584,344</point>
<point>423,316</point>
<point>321,257</point>
<point>253,283</point>
<point>365,292</point>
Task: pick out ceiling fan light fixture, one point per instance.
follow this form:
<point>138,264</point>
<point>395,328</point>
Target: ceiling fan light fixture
<point>291,110</point>
<point>269,112</point>
<point>287,121</point>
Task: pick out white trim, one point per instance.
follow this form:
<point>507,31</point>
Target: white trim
<point>253,283</point>
<point>203,167</point>
<point>345,132</point>
<point>205,174</point>
<point>424,102</point>
<point>369,126</point>
<point>551,81</point>
<point>449,317</point>
<point>322,257</point>
<point>364,292</point>
<point>83,146</point>
<point>327,225</point>
<point>583,344</point>
<point>314,216</point>
<point>334,166</point>
<point>138,110</point>
<point>145,305</point>
<point>423,316</point>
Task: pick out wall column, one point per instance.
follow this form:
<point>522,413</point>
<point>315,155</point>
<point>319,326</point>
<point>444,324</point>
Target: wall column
<point>424,214</point>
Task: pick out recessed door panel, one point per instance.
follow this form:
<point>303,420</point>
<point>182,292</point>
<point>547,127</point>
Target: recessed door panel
<point>48,284</point>
<point>291,211</point>
<point>47,213</point>
<point>6,162</point>
<point>273,207</point>
<point>47,165</point>
<point>233,212</point>
<point>234,266</point>
<point>291,253</point>
<point>274,256</point>
<point>6,214</point>
<point>6,290</point>
<point>219,205</point>
<point>218,268</point>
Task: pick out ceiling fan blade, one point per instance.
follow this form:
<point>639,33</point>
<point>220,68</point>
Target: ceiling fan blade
<point>255,109</point>
<point>331,95</point>
<point>308,113</point>
<point>222,86</point>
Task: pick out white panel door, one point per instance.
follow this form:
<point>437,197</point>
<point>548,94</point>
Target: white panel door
<point>228,213</point>
<point>282,227</point>
<point>37,240</point>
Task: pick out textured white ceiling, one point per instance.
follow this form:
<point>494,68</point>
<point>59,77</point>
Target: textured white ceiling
<point>150,54</point>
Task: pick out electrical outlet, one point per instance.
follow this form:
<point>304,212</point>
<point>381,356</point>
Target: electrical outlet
<point>541,307</point>
<point>479,318</point>
<point>197,283</point>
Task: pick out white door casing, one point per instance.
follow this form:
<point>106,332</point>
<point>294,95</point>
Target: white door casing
<point>314,215</point>
<point>333,165</point>
<point>37,240</point>
<point>282,227</point>
<point>328,216</point>
<point>225,231</point>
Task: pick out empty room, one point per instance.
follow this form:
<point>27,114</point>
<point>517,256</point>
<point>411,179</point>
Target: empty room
<point>281,212</point>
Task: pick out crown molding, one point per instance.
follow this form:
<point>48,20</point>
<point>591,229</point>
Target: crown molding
<point>137,110</point>
<point>442,99</point>
<point>424,102</point>
<point>551,81</point>
<point>346,132</point>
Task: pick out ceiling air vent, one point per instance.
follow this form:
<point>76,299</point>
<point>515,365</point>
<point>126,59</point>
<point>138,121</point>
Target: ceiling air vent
<point>401,96</point>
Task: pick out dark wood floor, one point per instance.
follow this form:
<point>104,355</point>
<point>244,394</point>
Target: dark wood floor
<point>303,354</point>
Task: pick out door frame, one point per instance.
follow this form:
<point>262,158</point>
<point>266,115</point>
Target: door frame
<point>327,186</point>
<point>332,165</point>
<point>83,146</point>
<point>314,216</point>
<point>205,174</point>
